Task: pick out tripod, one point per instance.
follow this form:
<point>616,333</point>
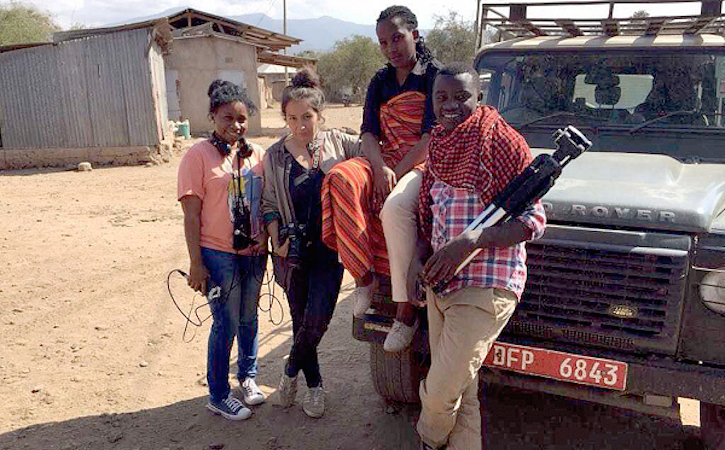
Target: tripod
<point>530,185</point>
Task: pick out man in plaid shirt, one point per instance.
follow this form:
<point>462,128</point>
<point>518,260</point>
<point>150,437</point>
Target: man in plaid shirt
<point>473,154</point>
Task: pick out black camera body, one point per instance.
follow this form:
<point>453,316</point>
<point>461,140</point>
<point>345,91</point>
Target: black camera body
<point>241,215</point>
<point>298,242</point>
<point>242,228</point>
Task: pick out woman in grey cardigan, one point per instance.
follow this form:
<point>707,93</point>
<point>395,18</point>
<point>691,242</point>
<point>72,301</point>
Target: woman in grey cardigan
<point>308,271</point>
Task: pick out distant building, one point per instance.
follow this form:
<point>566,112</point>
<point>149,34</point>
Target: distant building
<point>106,95</point>
<point>207,47</point>
<point>272,78</point>
<point>100,99</point>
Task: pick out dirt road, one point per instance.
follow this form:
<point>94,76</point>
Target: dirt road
<point>94,354</point>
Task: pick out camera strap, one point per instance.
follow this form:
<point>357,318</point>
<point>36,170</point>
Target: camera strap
<point>240,180</point>
<point>314,150</point>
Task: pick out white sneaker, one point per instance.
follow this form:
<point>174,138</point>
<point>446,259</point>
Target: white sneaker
<point>286,391</point>
<point>251,393</point>
<point>314,404</point>
<point>400,336</point>
<point>362,298</point>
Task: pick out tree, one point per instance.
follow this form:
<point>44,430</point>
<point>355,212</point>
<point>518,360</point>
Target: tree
<point>308,54</point>
<point>22,23</point>
<point>637,23</point>
<point>452,39</point>
<point>348,68</point>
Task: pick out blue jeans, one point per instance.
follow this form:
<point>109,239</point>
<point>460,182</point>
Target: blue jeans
<point>233,293</point>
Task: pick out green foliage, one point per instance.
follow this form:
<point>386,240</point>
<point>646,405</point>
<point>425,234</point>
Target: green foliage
<point>308,54</point>
<point>638,22</point>
<point>22,23</point>
<point>452,39</point>
<point>348,67</point>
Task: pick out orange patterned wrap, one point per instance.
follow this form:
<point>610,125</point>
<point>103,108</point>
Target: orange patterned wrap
<point>350,222</point>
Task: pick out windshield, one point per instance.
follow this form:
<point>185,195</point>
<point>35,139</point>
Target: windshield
<point>624,92</point>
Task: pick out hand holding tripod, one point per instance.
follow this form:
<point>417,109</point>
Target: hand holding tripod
<point>530,185</point>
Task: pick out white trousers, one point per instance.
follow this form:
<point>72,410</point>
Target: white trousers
<point>400,225</point>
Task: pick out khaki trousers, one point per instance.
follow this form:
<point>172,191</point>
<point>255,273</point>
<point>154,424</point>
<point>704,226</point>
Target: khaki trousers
<point>462,327</point>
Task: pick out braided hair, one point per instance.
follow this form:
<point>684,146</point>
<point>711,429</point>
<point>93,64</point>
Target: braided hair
<point>411,23</point>
<point>224,92</point>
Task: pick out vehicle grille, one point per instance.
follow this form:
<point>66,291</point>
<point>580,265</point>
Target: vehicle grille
<point>573,287</point>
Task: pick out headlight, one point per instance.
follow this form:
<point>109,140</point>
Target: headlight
<point>712,290</point>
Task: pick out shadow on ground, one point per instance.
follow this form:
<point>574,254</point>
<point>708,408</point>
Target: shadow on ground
<point>356,417</point>
<point>521,420</point>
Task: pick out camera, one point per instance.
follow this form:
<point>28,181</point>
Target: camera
<point>242,221</point>
<point>242,228</point>
<point>297,235</point>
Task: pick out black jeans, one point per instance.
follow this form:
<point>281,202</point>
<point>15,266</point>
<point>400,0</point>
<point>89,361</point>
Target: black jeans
<point>312,292</point>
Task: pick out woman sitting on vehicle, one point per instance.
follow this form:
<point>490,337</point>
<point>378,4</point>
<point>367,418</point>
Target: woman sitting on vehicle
<point>308,270</point>
<point>396,120</point>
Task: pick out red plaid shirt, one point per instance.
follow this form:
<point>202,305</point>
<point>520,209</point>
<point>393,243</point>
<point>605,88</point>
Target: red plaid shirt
<point>504,268</point>
<point>466,169</point>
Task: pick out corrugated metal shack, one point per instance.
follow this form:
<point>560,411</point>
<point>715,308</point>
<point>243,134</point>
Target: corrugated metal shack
<point>97,97</point>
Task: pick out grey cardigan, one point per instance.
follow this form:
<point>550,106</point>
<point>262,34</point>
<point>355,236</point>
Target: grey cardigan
<point>276,198</point>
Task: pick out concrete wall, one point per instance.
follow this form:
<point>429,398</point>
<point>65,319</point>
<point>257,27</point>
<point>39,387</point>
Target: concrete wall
<point>275,83</point>
<point>199,61</point>
<point>11,159</point>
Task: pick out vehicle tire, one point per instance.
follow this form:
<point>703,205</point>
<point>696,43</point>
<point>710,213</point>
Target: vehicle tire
<point>712,426</point>
<point>396,376</point>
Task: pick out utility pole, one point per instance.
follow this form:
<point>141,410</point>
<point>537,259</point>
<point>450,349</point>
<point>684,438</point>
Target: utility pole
<point>284,31</point>
<point>479,27</point>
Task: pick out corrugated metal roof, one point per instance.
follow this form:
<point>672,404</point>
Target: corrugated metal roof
<point>270,69</point>
<point>285,60</point>
<point>13,47</point>
<point>191,18</point>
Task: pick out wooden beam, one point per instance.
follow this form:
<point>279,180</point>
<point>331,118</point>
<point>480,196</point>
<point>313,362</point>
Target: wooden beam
<point>284,60</point>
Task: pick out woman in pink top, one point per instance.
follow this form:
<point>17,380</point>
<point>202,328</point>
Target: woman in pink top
<point>219,186</point>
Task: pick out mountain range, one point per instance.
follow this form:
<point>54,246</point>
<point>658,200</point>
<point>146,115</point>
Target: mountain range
<point>318,34</point>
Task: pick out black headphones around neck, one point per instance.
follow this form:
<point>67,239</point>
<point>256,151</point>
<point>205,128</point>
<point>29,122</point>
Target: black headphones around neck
<point>245,150</point>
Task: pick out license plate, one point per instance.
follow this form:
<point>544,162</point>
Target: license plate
<point>603,373</point>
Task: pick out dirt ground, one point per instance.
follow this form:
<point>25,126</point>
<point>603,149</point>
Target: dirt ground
<point>95,355</point>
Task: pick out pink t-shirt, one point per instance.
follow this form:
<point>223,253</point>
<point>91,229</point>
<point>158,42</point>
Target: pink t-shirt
<point>206,174</point>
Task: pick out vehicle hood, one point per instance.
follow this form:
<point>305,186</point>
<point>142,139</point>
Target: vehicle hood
<point>637,191</point>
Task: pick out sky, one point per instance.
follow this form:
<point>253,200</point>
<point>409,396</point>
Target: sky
<point>94,13</point>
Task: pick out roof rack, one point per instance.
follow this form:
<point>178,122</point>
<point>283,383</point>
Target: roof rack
<point>711,20</point>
